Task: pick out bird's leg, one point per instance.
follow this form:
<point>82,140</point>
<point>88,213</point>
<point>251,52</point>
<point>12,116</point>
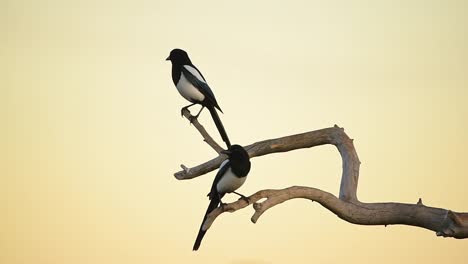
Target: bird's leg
<point>185,107</point>
<point>243,197</point>
<point>192,118</point>
<point>221,204</point>
<point>196,116</point>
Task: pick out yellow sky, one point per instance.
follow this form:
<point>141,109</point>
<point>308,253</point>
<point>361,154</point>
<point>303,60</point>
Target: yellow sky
<point>93,133</point>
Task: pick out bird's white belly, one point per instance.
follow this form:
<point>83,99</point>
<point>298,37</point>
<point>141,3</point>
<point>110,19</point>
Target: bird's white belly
<point>229,182</point>
<point>188,91</point>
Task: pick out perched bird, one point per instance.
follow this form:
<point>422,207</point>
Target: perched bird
<point>192,86</point>
<point>231,175</point>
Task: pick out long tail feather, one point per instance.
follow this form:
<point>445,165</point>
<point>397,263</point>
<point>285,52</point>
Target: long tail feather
<point>201,233</point>
<point>219,125</point>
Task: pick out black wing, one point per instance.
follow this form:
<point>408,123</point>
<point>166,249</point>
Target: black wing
<point>201,86</point>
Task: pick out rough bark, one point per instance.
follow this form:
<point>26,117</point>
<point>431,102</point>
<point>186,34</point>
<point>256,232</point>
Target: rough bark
<point>444,222</point>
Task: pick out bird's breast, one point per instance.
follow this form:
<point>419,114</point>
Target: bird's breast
<point>229,182</point>
<point>188,90</point>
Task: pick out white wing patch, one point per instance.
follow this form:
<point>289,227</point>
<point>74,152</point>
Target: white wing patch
<point>223,163</point>
<point>229,181</point>
<point>188,91</point>
<point>195,73</point>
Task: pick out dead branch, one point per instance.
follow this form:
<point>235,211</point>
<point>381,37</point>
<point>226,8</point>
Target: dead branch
<point>206,137</point>
<point>445,223</point>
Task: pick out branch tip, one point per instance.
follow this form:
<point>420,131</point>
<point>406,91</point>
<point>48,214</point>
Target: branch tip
<point>186,169</point>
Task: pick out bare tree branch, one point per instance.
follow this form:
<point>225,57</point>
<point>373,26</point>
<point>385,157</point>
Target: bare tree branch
<point>333,135</point>
<point>206,137</point>
<point>444,222</point>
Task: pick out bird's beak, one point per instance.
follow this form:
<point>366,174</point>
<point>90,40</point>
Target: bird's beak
<point>168,58</point>
<point>227,152</point>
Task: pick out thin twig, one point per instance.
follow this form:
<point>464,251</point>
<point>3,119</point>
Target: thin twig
<point>206,137</point>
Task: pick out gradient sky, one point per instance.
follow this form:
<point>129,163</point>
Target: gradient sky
<point>93,133</point>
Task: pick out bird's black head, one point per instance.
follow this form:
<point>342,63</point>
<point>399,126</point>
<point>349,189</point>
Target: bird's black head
<point>239,158</point>
<point>180,57</point>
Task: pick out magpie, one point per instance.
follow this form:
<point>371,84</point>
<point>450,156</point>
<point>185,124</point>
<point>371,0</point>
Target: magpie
<point>191,84</point>
<point>231,175</point>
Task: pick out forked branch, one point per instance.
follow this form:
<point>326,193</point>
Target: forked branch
<point>444,222</point>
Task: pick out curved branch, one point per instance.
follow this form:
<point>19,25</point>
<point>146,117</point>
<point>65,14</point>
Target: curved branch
<point>332,135</point>
<point>444,222</point>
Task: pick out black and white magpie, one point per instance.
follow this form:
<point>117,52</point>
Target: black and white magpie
<point>231,175</point>
<point>192,86</point>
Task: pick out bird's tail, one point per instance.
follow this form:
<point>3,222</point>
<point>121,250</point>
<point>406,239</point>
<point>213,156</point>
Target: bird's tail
<point>219,125</point>
<point>201,233</point>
